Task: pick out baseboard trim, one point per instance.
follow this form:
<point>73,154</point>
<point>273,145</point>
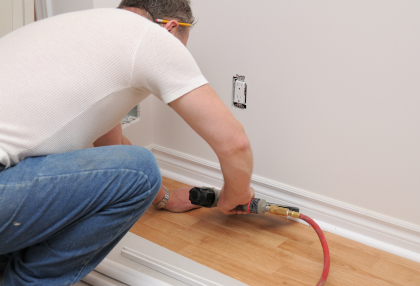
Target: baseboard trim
<point>376,230</point>
<point>137,261</point>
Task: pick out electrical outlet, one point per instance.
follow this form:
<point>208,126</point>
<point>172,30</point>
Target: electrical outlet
<point>132,117</point>
<point>239,92</point>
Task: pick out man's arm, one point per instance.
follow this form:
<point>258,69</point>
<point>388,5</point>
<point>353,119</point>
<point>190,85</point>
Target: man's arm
<point>207,115</point>
<point>112,137</point>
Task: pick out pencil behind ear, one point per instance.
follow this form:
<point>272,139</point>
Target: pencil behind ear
<point>172,26</point>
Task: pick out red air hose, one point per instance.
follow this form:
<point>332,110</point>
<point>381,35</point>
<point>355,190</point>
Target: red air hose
<point>324,247</point>
<point>199,196</point>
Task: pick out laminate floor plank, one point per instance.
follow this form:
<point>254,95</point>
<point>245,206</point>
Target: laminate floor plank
<point>271,250</point>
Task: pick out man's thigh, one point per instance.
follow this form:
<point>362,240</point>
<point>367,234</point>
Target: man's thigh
<point>42,196</point>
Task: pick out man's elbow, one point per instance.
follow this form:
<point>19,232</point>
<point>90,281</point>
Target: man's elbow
<point>237,145</point>
<point>243,144</point>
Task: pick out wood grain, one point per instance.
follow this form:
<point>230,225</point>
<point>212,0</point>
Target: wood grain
<point>270,250</point>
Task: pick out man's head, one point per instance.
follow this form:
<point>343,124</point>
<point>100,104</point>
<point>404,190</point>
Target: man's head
<point>174,11</point>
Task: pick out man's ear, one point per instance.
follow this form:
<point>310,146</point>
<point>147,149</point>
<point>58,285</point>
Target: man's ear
<point>172,26</point>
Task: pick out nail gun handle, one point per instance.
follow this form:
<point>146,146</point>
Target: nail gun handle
<point>208,197</point>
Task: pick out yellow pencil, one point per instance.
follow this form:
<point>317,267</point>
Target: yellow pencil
<point>166,21</point>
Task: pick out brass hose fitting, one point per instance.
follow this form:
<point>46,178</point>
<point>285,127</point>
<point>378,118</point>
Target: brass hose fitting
<point>282,211</point>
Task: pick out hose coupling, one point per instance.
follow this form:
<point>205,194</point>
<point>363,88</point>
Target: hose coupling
<point>282,211</point>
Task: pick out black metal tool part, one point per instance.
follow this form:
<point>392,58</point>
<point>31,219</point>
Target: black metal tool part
<point>208,197</point>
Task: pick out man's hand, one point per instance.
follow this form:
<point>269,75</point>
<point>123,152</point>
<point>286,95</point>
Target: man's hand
<point>179,201</point>
<point>226,203</point>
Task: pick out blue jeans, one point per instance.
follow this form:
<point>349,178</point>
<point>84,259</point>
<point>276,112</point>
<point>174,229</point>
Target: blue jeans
<point>60,215</point>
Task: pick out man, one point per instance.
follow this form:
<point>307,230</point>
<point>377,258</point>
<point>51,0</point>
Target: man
<point>65,84</point>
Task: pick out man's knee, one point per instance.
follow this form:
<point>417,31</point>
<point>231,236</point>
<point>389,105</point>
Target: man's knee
<point>124,163</point>
<point>132,171</point>
<point>142,160</point>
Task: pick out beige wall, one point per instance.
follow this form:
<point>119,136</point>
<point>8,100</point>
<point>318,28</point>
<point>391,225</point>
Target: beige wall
<point>333,92</point>
<point>14,14</point>
<point>6,17</point>
<point>29,14</point>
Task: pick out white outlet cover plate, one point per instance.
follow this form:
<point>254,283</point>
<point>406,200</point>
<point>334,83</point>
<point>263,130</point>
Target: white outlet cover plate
<point>239,96</point>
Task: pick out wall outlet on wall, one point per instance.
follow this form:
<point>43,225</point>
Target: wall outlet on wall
<point>132,117</point>
<point>239,92</point>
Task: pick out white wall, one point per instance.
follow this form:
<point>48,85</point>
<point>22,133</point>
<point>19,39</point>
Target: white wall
<point>65,6</point>
<point>333,95</point>
<point>106,3</point>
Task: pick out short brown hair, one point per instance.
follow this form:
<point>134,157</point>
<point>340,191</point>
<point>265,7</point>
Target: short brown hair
<point>164,9</point>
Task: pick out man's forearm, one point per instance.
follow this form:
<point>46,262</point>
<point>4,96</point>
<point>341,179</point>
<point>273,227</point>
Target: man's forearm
<point>207,115</point>
<point>125,141</point>
<point>237,170</point>
<point>112,137</point>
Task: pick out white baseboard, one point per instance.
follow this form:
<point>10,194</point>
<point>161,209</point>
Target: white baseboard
<point>138,262</point>
<point>376,230</point>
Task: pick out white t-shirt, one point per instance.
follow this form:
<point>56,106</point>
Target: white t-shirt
<point>67,80</point>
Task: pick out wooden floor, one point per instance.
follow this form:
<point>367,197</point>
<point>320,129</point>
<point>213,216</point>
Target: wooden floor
<point>270,250</point>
